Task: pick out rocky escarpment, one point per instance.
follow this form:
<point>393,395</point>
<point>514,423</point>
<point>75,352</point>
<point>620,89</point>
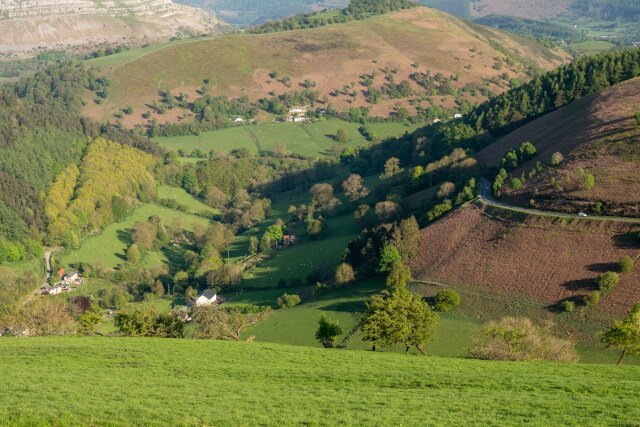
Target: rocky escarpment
<point>35,24</point>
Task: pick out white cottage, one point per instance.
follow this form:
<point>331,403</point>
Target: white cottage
<point>207,297</point>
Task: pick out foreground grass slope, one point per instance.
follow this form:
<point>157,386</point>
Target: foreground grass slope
<point>126,381</point>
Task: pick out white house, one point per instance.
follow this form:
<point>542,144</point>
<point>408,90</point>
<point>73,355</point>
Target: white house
<point>207,297</point>
<point>239,120</point>
<point>457,116</point>
<point>52,290</point>
<point>300,119</point>
<point>297,110</point>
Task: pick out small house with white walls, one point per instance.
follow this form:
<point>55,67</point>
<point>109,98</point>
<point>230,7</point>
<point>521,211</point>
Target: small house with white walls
<point>207,297</point>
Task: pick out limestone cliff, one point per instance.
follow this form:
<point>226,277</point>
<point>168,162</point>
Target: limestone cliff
<point>31,24</point>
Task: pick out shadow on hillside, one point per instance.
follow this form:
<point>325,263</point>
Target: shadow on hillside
<point>630,240</point>
<point>345,306</point>
<point>125,236</point>
<point>603,267</point>
<point>558,308</point>
<point>580,285</point>
<point>175,257</point>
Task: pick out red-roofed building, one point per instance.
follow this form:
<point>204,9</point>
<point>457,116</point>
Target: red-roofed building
<point>61,273</point>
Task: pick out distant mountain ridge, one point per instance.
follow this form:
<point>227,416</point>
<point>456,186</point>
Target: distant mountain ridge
<point>29,25</point>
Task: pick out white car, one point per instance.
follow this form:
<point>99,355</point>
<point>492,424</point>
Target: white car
<point>582,214</point>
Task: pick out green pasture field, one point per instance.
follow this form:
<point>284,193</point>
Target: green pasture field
<point>298,325</point>
<point>300,260</point>
<point>110,245</point>
<point>154,381</point>
<point>591,47</point>
<point>36,265</point>
<point>184,198</point>
<point>119,59</point>
<point>313,139</point>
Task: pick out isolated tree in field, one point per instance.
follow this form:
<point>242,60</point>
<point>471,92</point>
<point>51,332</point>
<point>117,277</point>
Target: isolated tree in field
<point>391,168</point>
<point>265,244</point>
<point>556,158</point>
<point>253,245</point>
<point>625,265</point>
<point>133,254</point>
<point>446,189</point>
<point>589,181</point>
<point>323,198</point>
<point>341,135</point>
<point>274,232</point>
<point>90,319</point>
<point>288,301</point>
<point>353,188</point>
<point>592,299</point>
<point>446,299</point>
<point>607,281</point>
<point>625,335</point>
<point>405,237</point>
<point>327,331</point>
<point>518,338</point>
<point>143,235</point>
<point>226,324</point>
<point>398,277</point>
<point>344,274</point>
<point>388,256</point>
<point>388,211</point>
<point>401,318</point>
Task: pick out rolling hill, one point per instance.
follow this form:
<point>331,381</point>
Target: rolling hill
<point>31,26</point>
<point>147,381</point>
<point>335,60</point>
<point>598,135</point>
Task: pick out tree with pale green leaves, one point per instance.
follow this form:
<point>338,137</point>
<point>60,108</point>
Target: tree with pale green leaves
<point>625,335</point>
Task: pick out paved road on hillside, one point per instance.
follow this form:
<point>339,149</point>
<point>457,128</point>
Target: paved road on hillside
<point>485,196</point>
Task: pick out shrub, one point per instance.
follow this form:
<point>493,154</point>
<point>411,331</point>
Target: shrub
<point>446,299</point>
<point>320,289</point>
<point>607,281</point>
<point>568,306</point>
<point>515,184</point>
<point>625,265</point>
<point>288,301</point>
<point>344,274</point>
<point>592,299</point>
<point>589,181</point>
<point>638,118</point>
<point>518,338</point>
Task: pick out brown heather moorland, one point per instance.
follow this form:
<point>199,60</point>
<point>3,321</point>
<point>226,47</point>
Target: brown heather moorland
<point>597,135</point>
<point>527,257</point>
<point>409,41</point>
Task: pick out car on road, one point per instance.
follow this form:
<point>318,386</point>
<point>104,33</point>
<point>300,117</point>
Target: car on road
<point>582,214</point>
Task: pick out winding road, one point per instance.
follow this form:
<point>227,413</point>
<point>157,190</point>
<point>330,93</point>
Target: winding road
<point>485,197</point>
<point>49,271</point>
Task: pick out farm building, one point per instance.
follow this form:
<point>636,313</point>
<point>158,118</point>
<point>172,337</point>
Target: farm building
<point>206,297</point>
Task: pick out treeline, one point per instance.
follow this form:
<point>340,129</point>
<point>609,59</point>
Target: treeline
<point>541,95</point>
<point>357,9</point>
<point>532,28</point>
<point>81,198</point>
<point>608,9</point>
<point>41,134</point>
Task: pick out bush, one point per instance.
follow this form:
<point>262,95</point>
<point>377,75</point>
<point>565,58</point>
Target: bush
<point>592,299</point>
<point>607,281</point>
<point>345,275</point>
<point>625,265</point>
<point>515,184</point>
<point>288,301</point>
<point>638,118</point>
<point>320,289</point>
<point>568,306</point>
<point>447,299</point>
<point>518,338</point>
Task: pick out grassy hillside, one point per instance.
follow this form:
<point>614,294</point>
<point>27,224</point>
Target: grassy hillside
<point>597,134</point>
<point>332,57</point>
<point>112,381</point>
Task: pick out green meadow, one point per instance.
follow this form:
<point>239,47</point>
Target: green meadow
<point>110,245</point>
<point>184,198</point>
<point>313,139</point>
<point>151,381</point>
